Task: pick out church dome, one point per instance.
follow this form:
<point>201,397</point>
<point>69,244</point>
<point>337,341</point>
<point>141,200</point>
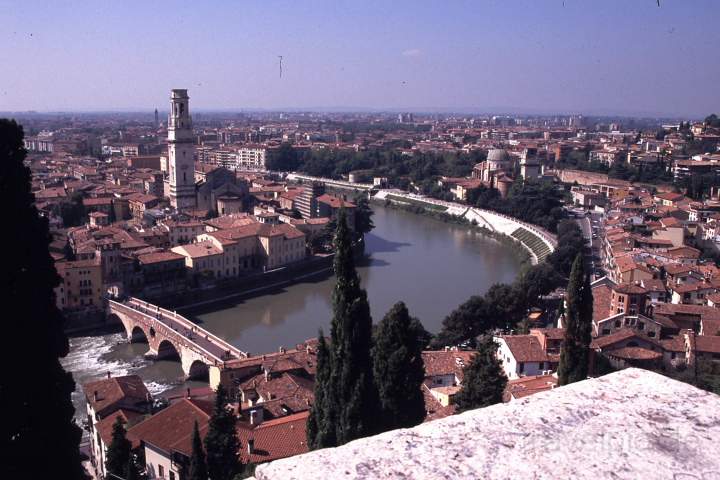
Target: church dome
<point>498,159</point>
<point>498,155</point>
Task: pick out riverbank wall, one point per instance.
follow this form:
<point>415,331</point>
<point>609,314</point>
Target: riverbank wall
<point>317,266</point>
<point>536,241</point>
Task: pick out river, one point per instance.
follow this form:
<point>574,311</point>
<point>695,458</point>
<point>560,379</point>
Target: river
<point>430,265</point>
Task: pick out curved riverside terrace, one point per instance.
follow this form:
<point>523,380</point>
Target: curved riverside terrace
<point>538,242</point>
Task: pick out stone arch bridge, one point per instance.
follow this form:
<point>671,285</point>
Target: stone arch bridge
<point>171,335</point>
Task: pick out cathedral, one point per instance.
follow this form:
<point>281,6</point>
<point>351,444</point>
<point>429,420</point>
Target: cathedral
<point>190,187</point>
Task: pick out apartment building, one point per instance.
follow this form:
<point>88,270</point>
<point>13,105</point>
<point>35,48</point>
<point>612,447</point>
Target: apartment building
<point>81,284</point>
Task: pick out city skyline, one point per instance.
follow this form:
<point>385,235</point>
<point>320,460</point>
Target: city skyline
<point>570,57</point>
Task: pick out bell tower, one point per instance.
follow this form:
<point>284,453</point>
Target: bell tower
<point>180,152</point>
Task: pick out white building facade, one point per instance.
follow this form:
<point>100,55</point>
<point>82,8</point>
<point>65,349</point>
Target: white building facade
<point>180,152</point>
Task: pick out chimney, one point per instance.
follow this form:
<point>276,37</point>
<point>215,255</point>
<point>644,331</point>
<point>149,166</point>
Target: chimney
<point>256,416</point>
<point>96,395</point>
<point>267,374</point>
<point>282,349</point>
<point>251,446</point>
<point>108,374</point>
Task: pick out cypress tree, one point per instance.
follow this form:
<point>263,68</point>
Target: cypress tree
<point>36,396</point>
<point>484,380</point>
<point>398,369</point>
<point>350,345</point>
<point>348,399</point>
<point>198,467</point>
<point>221,442</point>
<point>132,472</point>
<point>119,459</point>
<point>320,425</point>
<point>574,355</point>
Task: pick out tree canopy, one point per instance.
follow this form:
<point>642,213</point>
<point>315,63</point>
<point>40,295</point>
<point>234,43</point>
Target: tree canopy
<point>345,385</point>
<point>118,459</point>
<point>398,369</point>
<point>197,469</point>
<point>484,380</point>
<point>575,352</point>
<point>40,415</point>
<point>222,446</point>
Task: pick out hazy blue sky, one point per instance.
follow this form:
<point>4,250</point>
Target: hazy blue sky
<point>591,56</point>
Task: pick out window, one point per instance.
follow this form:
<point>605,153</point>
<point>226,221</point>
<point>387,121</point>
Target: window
<point>161,471</point>
<point>172,475</point>
<point>617,323</point>
<point>606,331</point>
<point>521,367</point>
<point>651,334</point>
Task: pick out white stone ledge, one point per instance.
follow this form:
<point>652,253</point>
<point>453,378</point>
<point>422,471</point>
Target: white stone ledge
<point>632,424</point>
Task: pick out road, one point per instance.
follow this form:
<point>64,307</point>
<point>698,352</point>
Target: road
<point>591,227</point>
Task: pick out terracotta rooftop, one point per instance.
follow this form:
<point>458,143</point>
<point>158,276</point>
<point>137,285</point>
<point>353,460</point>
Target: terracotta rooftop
<point>274,439</point>
<point>171,428</point>
<point>127,392</point>
<point>525,348</point>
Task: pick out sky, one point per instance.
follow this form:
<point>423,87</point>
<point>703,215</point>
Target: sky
<point>625,57</point>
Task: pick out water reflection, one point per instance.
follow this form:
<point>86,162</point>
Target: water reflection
<point>430,265</point>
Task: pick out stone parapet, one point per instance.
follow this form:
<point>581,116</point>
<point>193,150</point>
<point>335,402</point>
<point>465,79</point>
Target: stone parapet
<point>627,425</point>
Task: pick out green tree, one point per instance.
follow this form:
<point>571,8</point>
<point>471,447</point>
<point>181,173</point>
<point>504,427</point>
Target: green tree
<point>73,212</point>
<point>197,470</point>
<point>466,322</point>
<point>132,472</point>
<point>119,455</point>
<point>363,216</point>
<point>712,121</point>
<point>574,355</point>
<point>284,158</point>
<point>352,407</point>
<point>398,369</point>
<point>484,381</point>
<point>221,442</point>
<point>40,413</point>
<point>321,421</point>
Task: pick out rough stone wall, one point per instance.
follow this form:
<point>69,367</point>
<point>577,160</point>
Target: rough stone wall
<point>632,424</point>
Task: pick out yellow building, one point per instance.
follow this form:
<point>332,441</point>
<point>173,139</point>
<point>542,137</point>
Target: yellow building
<point>81,285</point>
<point>203,258</point>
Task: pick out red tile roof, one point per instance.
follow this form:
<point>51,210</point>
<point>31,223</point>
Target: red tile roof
<point>171,429</point>
<point>273,439</point>
<point>525,348</point>
<point>446,362</point>
<point>127,392</point>
<point>335,202</point>
<point>524,386</point>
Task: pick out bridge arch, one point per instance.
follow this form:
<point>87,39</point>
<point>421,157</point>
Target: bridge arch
<point>199,370</point>
<point>167,350</point>
<point>137,335</point>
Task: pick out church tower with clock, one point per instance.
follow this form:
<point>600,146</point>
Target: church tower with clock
<point>180,152</point>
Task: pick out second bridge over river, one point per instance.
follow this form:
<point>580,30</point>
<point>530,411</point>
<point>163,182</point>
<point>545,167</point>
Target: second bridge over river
<point>171,335</point>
